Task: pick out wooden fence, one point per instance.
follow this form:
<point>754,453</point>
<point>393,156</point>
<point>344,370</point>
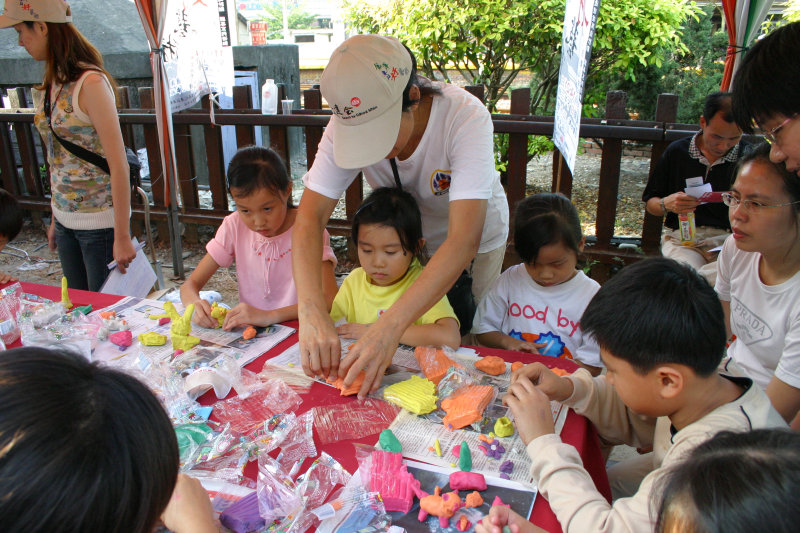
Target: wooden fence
<point>25,175</point>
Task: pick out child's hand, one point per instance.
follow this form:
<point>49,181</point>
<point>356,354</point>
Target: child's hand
<point>524,346</point>
<point>189,508</point>
<point>243,315</point>
<point>555,387</point>
<point>202,314</point>
<point>352,331</point>
<point>6,278</point>
<point>531,408</point>
<point>500,516</point>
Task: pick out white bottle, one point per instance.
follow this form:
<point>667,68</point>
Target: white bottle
<point>269,98</point>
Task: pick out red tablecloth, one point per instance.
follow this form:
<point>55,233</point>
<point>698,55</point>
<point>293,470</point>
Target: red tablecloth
<point>577,430</point>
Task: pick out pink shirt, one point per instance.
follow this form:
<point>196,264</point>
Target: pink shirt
<point>263,264</point>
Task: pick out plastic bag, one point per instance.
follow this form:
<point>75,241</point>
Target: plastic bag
<point>47,326</point>
<point>298,444</point>
<point>299,382</point>
<point>267,399</point>
<point>353,420</point>
<point>358,510</point>
<point>277,493</point>
<point>10,299</point>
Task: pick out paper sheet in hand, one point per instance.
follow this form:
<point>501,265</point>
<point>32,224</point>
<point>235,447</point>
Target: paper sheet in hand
<point>137,280</point>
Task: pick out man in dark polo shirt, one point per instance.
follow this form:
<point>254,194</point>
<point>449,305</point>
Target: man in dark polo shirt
<point>710,155</point>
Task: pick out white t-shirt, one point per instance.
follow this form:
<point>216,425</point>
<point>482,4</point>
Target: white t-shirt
<point>764,318</point>
<point>453,161</point>
<point>519,307</point>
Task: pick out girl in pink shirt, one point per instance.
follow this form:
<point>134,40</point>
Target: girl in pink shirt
<point>258,238</point>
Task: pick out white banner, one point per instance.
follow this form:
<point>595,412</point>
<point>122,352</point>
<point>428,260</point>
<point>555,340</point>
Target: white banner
<point>580,18</point>
<point>197,53</point>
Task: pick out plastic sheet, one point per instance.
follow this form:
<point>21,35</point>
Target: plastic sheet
<point>10,299</point>
<point>47,325</point>
<point>267,399</point>
<point>298,445</point>
<point>299,382</point>
<point>353,420</point>
<point>277,493</point>
<point>358,510</point>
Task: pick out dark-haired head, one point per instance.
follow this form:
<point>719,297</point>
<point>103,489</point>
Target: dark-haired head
<point>82,447</point>
<point>718,102</point>
<point>542,219</point>
<point>767,82</point>
<point>394,208</point>
<point>655,312</point>
<point>10,216</point>
<point>734,483</point>
<point>760,152</point>
<point>257,167</point>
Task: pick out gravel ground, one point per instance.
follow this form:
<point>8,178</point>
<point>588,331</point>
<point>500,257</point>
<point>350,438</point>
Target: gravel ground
<point>633,177</point>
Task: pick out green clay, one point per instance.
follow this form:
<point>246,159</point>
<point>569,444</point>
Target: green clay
<point>86,309</point>
<point>389,442</point>
<point>464,457</point>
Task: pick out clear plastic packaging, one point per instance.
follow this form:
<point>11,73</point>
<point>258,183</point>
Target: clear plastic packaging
<point>298,444</point>
<point>353,419</point>
<point>299,382</point>
<point>277,493</point>
<point>267,399</point>
<point>10,299</point>
<point>354,510</point>
<point>47,325</point>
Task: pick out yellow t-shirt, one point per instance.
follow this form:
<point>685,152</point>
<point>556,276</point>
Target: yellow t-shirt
<point>360,302</point>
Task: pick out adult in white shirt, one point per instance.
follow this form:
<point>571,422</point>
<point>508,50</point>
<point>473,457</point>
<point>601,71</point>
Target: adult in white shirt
<point>758,279</point>
<point>440,139</point>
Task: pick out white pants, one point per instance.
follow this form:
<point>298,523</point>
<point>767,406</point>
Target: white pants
<point>696,256</point>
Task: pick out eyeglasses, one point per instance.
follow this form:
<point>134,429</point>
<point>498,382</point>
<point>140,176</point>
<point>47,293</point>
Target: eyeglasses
<point>750,206</point>
<point>771,135</point>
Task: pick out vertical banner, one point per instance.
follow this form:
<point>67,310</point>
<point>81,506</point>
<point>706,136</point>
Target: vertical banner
<point>580,18</point>
<point>197,52</point>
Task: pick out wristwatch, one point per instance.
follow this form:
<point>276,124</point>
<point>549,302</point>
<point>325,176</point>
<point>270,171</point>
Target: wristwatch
<point>664,207</point>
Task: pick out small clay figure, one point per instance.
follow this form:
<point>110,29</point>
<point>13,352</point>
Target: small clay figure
<point>504,427</point>
<point>65,301</point>
<point>249,333</point>
<point>389,441</point>
<point>491,364</point>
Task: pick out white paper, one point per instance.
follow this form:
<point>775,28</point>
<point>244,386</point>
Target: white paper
<point>699,190</point>
<point>137,280</point>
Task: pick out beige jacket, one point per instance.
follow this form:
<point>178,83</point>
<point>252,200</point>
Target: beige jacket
<point>559,472</point>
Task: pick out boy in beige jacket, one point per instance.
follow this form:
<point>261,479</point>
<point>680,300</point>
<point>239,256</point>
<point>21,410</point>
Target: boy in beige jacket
<point>661,333</point>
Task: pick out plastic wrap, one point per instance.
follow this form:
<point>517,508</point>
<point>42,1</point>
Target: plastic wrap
<point>298,444</point>
<point>277,493</point>
<point>352,420</point>
<point>435,362</point>
<point>267,399</point>
<point>47,325</point>
<point>314,487</point>
<point>10,300</point>
<point>299,382</point>
<point>222,375</point>
<point>354,510</point>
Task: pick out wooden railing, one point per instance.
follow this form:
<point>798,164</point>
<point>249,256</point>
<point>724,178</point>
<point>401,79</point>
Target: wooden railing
<point>25,175</point>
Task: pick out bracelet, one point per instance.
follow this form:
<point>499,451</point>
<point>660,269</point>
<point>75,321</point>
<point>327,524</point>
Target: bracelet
<point>664,207</point>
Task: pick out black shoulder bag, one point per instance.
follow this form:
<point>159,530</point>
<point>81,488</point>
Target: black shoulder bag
<point>460,294</point>
<point>89,156</point>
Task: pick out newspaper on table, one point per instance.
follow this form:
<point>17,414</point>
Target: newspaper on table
<point>136,312</point>
<point>417,434</point>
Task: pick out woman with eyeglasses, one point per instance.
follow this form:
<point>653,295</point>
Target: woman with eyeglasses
<point>766,93</point>
<point>758,277</point>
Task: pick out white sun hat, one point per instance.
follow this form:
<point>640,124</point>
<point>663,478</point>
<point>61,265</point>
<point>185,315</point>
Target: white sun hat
<point>17,11</point>
<point>363,85</point>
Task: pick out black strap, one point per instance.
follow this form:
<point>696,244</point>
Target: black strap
<point>393,162</point>
<point>78,151</point>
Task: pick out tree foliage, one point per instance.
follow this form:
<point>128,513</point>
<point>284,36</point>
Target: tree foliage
<point>692,72</point>
<point>490,42</point>
<point>298,18</point>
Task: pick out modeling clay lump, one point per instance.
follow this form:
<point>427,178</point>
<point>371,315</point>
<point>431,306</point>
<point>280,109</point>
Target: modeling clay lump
<point>434,362</point>
<point>347,391</point>
<point>417,395</point>
<point>389,477</point>
<point>466,405</point>
<point>491,364</point>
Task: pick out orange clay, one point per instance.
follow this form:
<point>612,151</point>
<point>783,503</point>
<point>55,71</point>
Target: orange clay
<point>352,389</point>
<point>516,365</point>
<point>108,314</point>
<point>433,362</point>
<point>438,504</point>
<point>491,365</point>
<point>249,333</point>
<point>466,405</point>
<point>473,499</point>
<point>484,438</point>
<point>463,523</point>
<point>560,372</point>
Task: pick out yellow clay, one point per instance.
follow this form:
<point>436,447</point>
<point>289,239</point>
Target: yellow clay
<point>151,338</point>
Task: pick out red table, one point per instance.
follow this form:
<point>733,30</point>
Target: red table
<point>577,431</point>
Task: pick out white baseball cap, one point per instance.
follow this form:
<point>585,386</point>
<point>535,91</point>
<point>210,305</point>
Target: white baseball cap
<point>17,11</point>
<point>363,85</point>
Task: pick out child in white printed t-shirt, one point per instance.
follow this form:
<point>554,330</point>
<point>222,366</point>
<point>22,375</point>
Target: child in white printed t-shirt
<point>536,306</point>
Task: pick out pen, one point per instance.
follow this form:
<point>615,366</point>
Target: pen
<point>138,246</point>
